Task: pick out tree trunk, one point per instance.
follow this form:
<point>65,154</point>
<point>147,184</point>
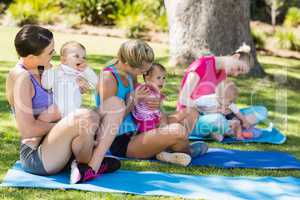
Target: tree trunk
<point>217,26</point>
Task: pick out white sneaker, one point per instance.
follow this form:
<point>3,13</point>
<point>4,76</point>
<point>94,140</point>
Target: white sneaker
<point>174,158</point>
<point>75,174</point>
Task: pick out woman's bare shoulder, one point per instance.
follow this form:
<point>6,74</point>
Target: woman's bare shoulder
<point>14,75</point>
<point>107,77</point>
<point>16,72</point>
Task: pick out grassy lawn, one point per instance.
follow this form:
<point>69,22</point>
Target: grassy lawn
<point>279,92</point>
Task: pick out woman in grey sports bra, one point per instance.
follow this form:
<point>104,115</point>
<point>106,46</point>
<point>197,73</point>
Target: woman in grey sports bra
<point>47,146</point>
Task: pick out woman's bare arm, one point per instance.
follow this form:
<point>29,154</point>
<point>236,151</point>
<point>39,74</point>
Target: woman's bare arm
<point>22,94</point>
<point>186,92</point>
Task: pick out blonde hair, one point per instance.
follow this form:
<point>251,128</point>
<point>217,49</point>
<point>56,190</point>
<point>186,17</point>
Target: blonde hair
<point>135,53</point>
<point>245,54</point>
<point>68,45</point>
<point>227,89</point>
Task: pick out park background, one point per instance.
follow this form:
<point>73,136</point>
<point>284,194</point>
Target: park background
<point>102,25</point>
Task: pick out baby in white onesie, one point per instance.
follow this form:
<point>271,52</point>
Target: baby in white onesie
<point>63,80</point>
<point>223,101</point>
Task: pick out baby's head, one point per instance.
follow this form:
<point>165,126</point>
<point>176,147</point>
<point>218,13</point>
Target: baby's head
<point>156,75</point>
<point>73,54</point>
<point>227,92</point>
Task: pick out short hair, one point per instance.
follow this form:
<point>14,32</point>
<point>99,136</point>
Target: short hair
<point>135,53</point>
<point>153,66</point>
<point>70,44</point>
<point>32,40</point>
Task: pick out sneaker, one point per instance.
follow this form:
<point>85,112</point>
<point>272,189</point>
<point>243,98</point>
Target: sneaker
<point>174,158</point>
<point>83,172</point>
<point>198,148</point>
<point>109,165</point>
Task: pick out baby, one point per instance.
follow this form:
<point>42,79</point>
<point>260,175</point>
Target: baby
<point>145,118</point>
<point>223,101</point>
<point>64,80</point>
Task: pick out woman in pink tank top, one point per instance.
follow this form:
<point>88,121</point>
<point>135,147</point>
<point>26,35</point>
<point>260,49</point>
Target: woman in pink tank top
<point>204,74</point>
<point>202,77</point>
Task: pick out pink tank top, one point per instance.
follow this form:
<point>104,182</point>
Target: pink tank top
<point>141,111</point>
<point>205,68</point>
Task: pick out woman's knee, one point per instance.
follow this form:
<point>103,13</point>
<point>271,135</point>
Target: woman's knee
<point>87,120</point>
<point>261,113</point>
<point>178,131</point>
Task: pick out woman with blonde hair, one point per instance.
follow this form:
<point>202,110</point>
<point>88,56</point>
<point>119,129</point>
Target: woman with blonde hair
<point>135,57</point>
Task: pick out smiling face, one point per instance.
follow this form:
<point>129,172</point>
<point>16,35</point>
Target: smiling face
<point>156,77</point>
<point>74,56</point>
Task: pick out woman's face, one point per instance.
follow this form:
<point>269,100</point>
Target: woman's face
<point>45,57</point>
<point>237,67</point>
<point>134,71</point>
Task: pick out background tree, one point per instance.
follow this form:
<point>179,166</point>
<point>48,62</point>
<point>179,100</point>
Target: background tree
<point>219,27</point>
<point>273,8</point>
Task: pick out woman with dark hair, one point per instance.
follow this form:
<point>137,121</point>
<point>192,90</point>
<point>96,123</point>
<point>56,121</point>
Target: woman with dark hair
<point>46,147</point>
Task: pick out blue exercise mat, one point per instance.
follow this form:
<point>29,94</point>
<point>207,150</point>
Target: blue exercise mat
<point>157,183</point>
<point>230,158</point>
<point>272,137</point>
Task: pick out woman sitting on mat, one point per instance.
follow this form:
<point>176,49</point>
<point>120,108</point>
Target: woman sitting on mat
<point>135,57</point>
<point>46,147</point>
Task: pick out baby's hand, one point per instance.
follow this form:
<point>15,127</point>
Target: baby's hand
<point>84,86</point>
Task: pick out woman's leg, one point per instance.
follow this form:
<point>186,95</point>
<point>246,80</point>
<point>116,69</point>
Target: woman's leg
<point>148,144</point>
<point>210,123</point>
<point>111,115</point>
<point>191,119</point>
<point>255,114</point>
<point>187,117</point>
<point>73,134</point>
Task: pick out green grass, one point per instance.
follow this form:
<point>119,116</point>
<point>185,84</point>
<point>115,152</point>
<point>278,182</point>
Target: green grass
<point>273,91</point>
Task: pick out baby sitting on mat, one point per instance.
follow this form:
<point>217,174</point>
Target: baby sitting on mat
<point>223,101</point>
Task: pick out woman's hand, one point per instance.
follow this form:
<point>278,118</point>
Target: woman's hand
<point>83,84</point>
<point>52,114</point>
<point>153,103</point>
<point>141,93</point>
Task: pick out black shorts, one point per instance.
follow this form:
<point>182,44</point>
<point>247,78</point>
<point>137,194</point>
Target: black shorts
<point>230,116</point>
<point>120,144</point>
